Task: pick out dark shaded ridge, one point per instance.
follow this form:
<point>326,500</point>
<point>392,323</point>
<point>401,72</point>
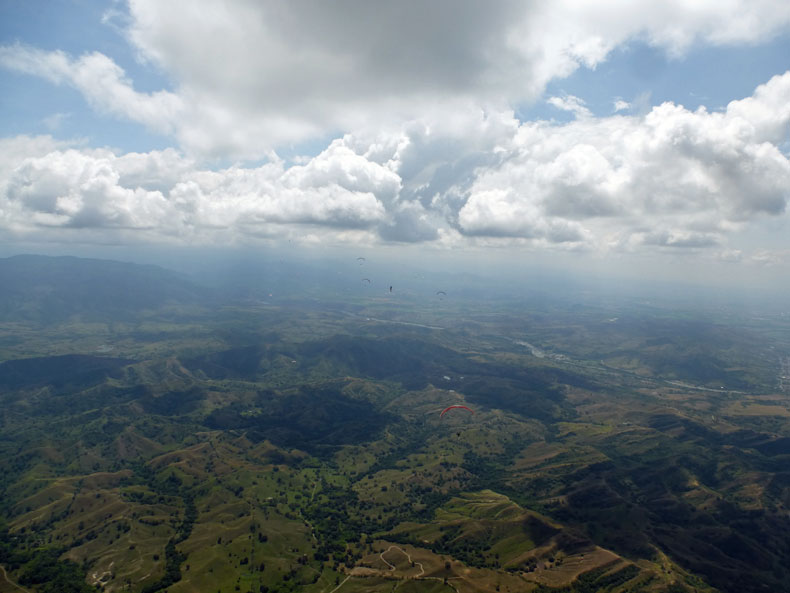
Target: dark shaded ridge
<point>80,401</point>
<point>60,372</point>
<point>173,403</point>
<point>311,418</point>
<point>630,503</point>
<point>768,445</point>
<point>689,430</point>
<point>412,362</point>
<point>415,364</point>
<point>246,362</point>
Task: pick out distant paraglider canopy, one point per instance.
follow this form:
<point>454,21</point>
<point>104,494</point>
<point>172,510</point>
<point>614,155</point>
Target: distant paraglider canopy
<point>366,281</point>
<point>361,260</point>
<point>447,409</point>
<point>441,293</point>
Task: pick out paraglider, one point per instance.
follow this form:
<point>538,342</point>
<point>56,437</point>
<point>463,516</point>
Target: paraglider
<point>366,281</point>
<point>390,288</point>
<point>455,407</point>
<point>441,292</point>
<point>361,260</point>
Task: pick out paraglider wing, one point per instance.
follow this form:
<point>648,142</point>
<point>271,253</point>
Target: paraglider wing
<point>361,260</point>
<point>441,292</point>
<point>447,409</point>
<point>366,281</point>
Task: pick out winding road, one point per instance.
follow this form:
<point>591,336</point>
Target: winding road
<point>415,577</point>
<point>408,557</point>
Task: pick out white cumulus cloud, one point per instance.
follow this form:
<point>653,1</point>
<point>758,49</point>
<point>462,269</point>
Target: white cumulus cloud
<point>621,105</point>
<point>249,76</point>
<point>163,194</point>
<point>570,103</point>
<point>675,177</point>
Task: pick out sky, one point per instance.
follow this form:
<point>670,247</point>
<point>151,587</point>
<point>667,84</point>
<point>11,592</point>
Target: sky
<point>650,138</point>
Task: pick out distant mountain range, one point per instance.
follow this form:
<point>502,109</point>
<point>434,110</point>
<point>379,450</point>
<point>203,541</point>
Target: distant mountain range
<point>52,289</point>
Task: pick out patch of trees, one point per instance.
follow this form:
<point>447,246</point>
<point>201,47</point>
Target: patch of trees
<point>172,486</point>
<point>470,551</point>
<point>173,560</point>
<point>42,568</point>
<point>332,521</point>
<point>293,418</point>
<point>490,471</point>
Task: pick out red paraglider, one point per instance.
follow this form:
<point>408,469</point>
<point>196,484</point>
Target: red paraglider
<point>453,408</point>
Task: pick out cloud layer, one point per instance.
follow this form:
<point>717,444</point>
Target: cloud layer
<point>672,179</point>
